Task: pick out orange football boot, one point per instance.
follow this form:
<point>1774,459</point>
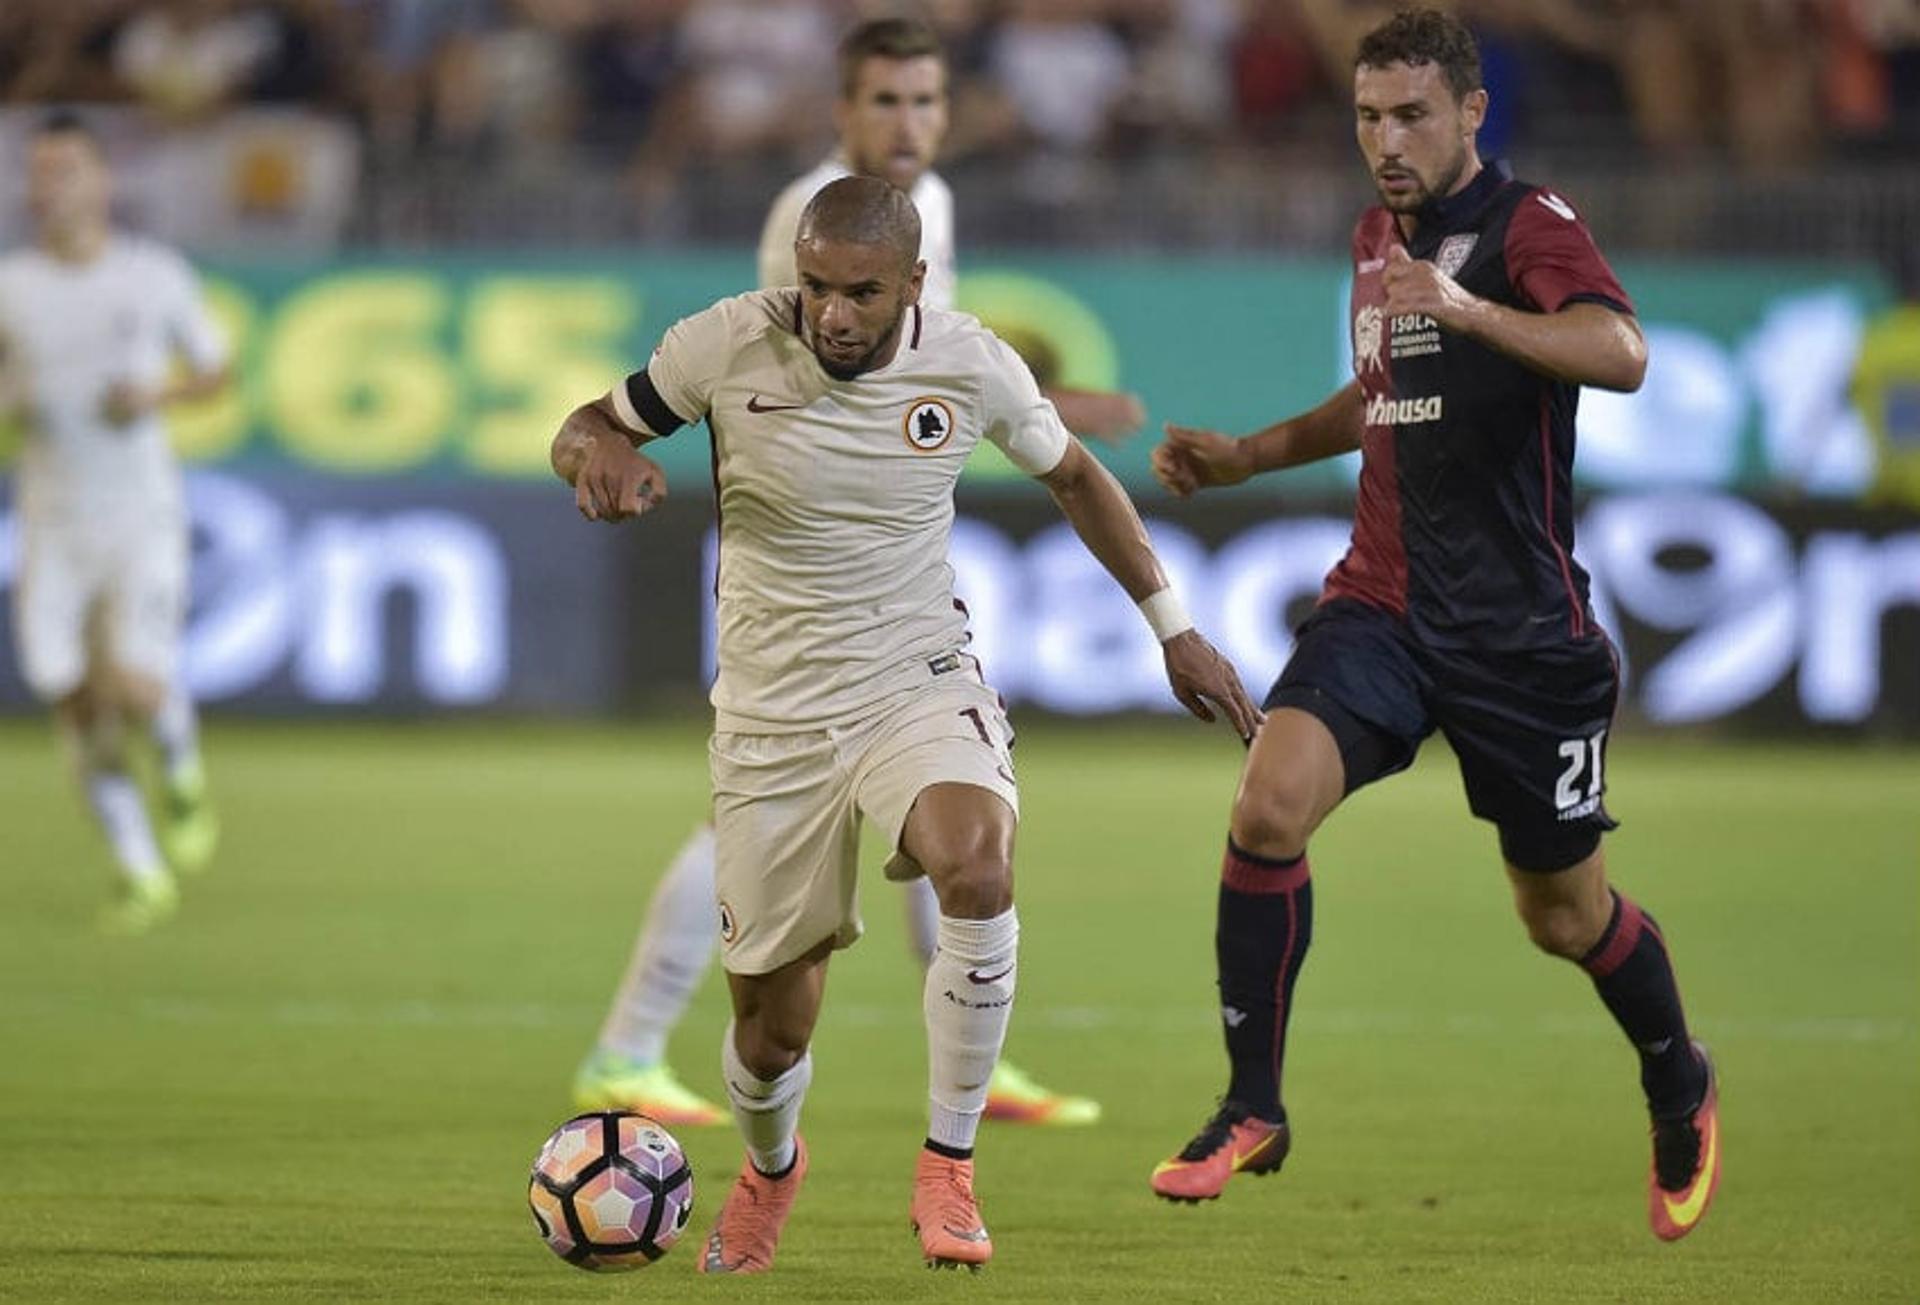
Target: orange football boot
<point>1686,1163</point>
<point>748,1230</point>
<point>1235,1139</point>
<point>945,1214</point>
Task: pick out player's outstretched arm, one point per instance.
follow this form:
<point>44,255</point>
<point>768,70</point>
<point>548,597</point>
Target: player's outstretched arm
<point>1584,343</point>
<point>1191,459</point>
<point>1104,518</point>
<point>611,480</point>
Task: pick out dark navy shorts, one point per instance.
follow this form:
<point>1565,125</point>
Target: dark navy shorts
<point>1529,728</point>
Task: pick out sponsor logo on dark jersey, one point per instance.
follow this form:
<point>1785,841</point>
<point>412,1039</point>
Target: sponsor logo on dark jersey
<point>1382,411</point>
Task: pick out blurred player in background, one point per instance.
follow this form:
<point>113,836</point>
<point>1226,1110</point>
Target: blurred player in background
<point>93,324</point>
<point>842,413</point>
<point>891,118</point>
<point>1480,306</point>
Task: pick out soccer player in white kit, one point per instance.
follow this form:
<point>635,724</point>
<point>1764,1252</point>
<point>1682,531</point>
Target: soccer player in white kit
<point>891,118</point>
<point>842,412</point>
<point>93,323</point>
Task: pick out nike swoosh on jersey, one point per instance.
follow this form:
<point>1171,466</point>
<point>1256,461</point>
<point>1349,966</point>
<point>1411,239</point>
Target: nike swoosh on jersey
<point>974,976</point>
<point>754,405</point>
<point>1557,204</point>
<point>1685,1213</point>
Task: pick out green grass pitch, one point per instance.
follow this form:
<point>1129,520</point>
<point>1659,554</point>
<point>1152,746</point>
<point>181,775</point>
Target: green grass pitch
<point>326,1079</point>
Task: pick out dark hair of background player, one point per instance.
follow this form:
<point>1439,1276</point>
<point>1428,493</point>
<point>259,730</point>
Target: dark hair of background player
<point>65,122</point>
<point>885,38</point>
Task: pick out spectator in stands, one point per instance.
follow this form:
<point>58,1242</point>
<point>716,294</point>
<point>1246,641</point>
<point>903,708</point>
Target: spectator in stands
<point>187,59</point>
<point>409,47</point>
<point>1063,69</point>
<point>1273,67</point>
<point>1182,86</point>
<point>54,50</point>
<point>625,66</point>
<point>757,69</point>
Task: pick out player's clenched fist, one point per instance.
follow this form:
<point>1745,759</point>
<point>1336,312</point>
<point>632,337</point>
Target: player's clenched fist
<point>1190,459</point>
<point>611,480</point>
<point>1417,286</point>
<point>617,482</point>
<point>1200,676</point>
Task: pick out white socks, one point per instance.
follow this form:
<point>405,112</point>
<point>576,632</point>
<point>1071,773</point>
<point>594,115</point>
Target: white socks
<point>669,958</point>
<point>122,814</point>
<point>923,918</point>
<point>767,1111</point>
<point>967,1000</point>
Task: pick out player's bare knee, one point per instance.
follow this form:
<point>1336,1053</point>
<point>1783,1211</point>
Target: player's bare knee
<point>769,1045</point>
<point>1273,819</point>
<point>967,853</point>
<point>975,883</point>
<point>138,696</point>
<point>1563,929</point>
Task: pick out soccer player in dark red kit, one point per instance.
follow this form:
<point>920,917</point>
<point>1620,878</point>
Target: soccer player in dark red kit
<point>1480,306</point>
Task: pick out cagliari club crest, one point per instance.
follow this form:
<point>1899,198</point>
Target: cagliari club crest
<point>1367,324</point>
<point>1454,252</point>
<point>928,424</point>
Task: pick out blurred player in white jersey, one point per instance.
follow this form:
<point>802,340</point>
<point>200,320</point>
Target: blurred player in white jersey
<point>842,413</point>
<point>891,119</point>
<point>94,324</point>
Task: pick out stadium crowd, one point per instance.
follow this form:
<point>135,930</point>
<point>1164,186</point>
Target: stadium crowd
<point>669,83</point>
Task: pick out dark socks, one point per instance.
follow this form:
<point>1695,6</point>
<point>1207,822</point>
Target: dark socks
<point>1634,975</point>
<point>1265,923</point>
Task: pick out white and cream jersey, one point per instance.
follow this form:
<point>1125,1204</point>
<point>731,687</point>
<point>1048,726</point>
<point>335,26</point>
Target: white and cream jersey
<point>836,497</point>
<point>930,195</point>
<point>69,332</point>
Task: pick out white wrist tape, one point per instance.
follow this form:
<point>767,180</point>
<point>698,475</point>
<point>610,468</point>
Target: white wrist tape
<point>1166,614</point>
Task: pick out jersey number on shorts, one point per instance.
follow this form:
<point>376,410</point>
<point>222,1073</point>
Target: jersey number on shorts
<point>1583,755</point>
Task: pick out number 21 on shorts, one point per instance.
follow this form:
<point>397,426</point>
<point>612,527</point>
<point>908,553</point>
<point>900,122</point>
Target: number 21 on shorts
<point>1571,798</point>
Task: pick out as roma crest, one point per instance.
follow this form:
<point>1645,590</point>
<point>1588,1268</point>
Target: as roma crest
<point>928,424</point>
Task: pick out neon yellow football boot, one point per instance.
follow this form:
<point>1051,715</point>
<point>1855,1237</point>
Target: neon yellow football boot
<point>189,829</point>
<point>141,905</point>
<point>608,1080</point>
<point>1013,1097</point>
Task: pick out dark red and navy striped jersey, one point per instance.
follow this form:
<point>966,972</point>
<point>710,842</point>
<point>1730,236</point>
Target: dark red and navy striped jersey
<point>1464,526</point>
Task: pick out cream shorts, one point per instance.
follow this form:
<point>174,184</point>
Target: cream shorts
<point>787,810</point>
<point>91,597</point>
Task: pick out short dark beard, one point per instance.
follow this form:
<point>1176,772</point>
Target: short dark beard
<point>1428,194</point>
<point>855,370</point>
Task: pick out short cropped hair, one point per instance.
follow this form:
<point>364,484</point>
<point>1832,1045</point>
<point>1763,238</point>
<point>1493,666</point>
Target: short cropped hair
<point>1417,36</point>
<point>885,38</point>
<point>863,211</point>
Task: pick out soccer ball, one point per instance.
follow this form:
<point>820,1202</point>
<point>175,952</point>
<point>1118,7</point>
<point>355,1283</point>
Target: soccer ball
<point>611,1191</point>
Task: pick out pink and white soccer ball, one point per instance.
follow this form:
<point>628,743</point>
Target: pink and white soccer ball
<point>611,1191</point>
